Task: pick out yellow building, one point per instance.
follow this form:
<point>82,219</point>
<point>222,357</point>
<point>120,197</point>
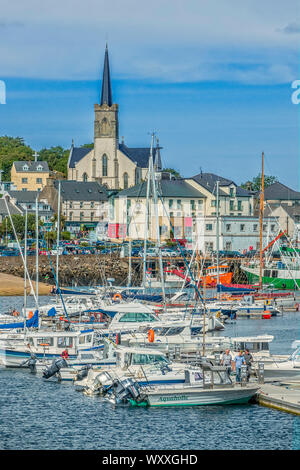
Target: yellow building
<point>29,176</point>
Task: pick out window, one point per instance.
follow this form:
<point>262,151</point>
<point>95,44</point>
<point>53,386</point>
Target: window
<point>240,208</point>
<point>71,216</point>
<point>231,192</point>
<point>255,228</point>
<point>208,227</point>
<point>200,202</point>
<point>137,317</point>
<point>24,180</point>
<point>24,189</point>
<point>44,341</point>
<point>170,203</point>
<point>231,205</point>
<point>92,216</point>
<point>65,341</point>
<point>213,203</point>
<point>39,168</point>
<point>192,205</point>
<point>92,204</point>
<point>228,227</point>
<point>39,180</point>
<point>242,227</point>
<point>125,180</point>
<point>104,165</point>
<point>84,177</point>
<point>81,216</point>
<point>272,228</point>
<point>264,227</point>
<point>81,204</point>
<point>71,205</point>
<point>178,203</point>
<point>137,175</point>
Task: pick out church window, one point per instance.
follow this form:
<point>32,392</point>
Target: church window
<point>94,167</point>
<point>104,165</point>
<point>85,177</point>
<point>104,126</point>
<point>125,177</point>
<point>137,175</point>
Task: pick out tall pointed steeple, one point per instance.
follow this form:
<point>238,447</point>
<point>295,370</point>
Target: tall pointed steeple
<point>106,94</point>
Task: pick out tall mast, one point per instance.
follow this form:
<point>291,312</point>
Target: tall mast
<point>37,247</point>
<point>261,213</point>
<point>146,224</point>
<point>155,200</point>
<point>218,236</point>
<point>58,229</point>
<point>25,277</point>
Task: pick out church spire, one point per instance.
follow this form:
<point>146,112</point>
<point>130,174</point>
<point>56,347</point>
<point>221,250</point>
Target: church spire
<point>106,94</point>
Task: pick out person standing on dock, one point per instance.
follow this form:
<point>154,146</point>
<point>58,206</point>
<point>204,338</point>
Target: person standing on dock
<point>248,361</point>
<point>237,364</point>
<point>226,361</point>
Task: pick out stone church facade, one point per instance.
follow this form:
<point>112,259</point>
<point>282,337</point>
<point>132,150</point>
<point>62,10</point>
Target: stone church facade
<point>110,162</point>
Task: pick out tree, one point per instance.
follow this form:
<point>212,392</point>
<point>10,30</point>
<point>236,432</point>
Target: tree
<point>13,149</point>
<point>255,184</point>
<point>173,172</point>
<point>19,224</point>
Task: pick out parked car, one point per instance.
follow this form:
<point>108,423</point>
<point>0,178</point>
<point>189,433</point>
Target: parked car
<point>169,252</point>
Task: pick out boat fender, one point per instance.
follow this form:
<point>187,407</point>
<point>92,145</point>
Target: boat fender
<point>151,335</point>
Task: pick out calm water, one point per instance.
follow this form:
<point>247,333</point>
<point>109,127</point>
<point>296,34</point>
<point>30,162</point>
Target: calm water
<point>36,414</point>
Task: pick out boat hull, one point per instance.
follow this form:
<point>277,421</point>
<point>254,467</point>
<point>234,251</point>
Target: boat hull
<point>283,281</point>
<point>201,397</point>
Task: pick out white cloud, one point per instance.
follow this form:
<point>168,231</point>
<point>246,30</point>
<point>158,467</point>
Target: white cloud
<point>166,40</point>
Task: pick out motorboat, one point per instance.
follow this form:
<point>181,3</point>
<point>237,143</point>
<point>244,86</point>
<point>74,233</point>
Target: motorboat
<point>207,385</point>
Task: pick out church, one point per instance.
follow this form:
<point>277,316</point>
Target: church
<point>110,162</point>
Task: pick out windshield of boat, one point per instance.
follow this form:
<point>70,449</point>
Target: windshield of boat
<point>138,317</point>
<point>147,359</point>
<point>295,355</point>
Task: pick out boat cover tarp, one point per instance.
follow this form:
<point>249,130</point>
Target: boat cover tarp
<point>52,312</point>
<point>145,297</point>
<point>33,322</point>
<point>237,290</point>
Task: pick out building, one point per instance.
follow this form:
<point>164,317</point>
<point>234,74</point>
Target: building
<point>236,233</point>
<point>233,200</point>
<point>84,205</point>
<point>111,163</point>
<point>288,217</point>
<point>29,176</point>
<point>178,205</point>
<point>28,199</point>
<point>13,209</point>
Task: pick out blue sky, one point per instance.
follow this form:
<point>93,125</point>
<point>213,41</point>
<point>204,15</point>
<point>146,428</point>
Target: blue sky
<point>212,78</point>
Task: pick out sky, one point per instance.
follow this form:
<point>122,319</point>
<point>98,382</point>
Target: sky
<point>212,78</point>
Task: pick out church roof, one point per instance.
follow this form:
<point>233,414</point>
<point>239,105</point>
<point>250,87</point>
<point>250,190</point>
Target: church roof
<point>76,154</point>
<point>141,155</point>
<point>106,93</point>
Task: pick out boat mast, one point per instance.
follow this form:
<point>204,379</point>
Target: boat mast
<point>37,247</point>
<point>218,238</point>
<point>25,277</point>
<point>155,200</point>
<point>261,213</point>
<point>146,225</point>
<point>58,229</point>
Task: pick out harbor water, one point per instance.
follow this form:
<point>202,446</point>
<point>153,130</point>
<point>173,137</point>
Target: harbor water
<point>41,415</point>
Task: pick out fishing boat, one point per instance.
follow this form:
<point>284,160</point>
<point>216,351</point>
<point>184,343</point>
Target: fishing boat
<point>276,368</point>
<point>208,385</point>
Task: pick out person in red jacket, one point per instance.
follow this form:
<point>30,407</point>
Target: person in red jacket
<point>65,354</point>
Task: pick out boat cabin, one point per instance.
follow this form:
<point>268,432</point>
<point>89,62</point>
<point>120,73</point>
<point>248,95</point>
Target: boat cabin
<point>54,342</point>
<point>255,344</point>
<point>128,357</point>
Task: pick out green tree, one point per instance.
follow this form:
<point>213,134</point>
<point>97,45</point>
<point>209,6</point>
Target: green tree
<point>255,184</point>
<point>173,172</point>
<point>13,149</point>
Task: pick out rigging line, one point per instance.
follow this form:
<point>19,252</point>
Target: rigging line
<point>17,240</point>
<point>180,248</point>
<point>61,297</point>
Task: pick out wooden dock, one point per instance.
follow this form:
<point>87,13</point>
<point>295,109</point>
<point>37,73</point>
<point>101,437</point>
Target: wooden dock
<point>284,397</point>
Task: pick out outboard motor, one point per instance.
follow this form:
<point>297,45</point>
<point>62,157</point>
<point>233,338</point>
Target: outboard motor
<point>31,363</point>
<point>55,367</point>
<point>121,391</point>
<point>82,373</point>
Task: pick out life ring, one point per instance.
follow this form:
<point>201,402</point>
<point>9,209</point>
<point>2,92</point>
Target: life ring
<point>16,314</point>
<point>117,296</point>
<point>30,315</point>
<point>151,335</point>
